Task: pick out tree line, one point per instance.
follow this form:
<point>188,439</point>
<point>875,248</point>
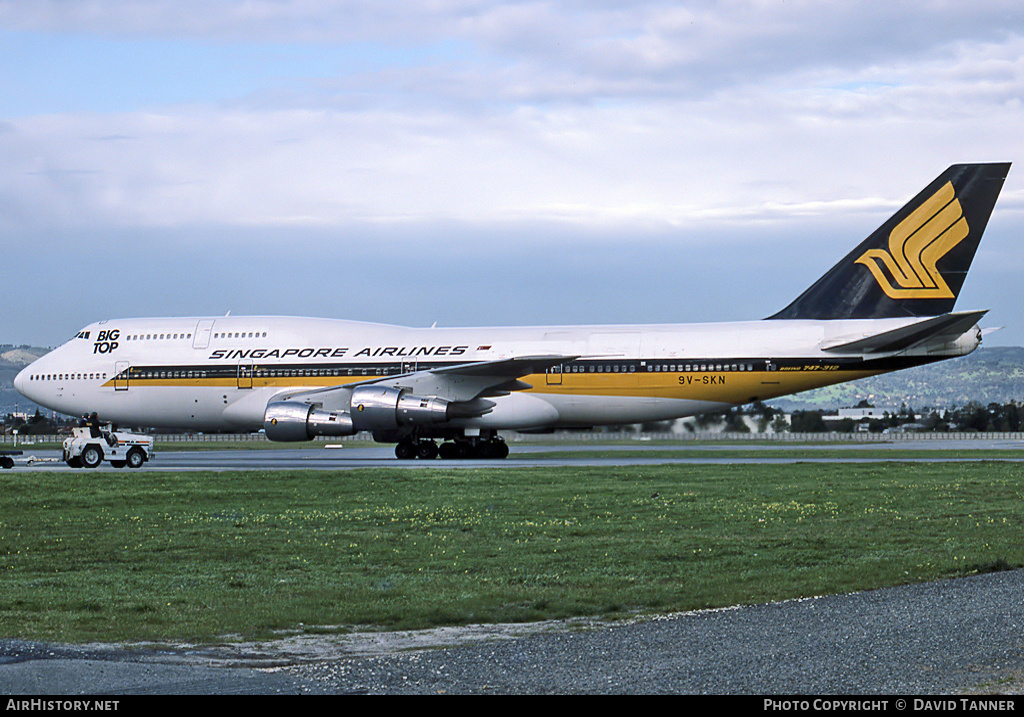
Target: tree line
<point>38,424</point>
<point>972,417</point>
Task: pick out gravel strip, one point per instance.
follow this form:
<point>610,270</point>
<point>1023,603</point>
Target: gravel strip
<point>963,635</point>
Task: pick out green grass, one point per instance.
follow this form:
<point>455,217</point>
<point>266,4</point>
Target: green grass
<point>146,555</point>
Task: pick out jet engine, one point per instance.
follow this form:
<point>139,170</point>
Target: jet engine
<point>377,408</point>
<point>371,408</point>
<point>296,421</point>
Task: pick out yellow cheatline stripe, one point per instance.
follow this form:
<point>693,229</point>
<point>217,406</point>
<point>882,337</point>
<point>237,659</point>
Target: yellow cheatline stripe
<point>724,387</point>
<point>727,387</point>
<point>233,382</point>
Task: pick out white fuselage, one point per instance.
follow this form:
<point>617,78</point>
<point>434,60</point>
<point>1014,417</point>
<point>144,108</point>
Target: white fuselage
<point>211,374</point>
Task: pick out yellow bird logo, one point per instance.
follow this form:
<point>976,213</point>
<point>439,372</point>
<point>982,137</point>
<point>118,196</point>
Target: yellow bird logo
<point>915,245</point>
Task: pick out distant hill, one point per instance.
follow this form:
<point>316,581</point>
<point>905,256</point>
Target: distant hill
<point>989,375</point>
<point>12,360</point>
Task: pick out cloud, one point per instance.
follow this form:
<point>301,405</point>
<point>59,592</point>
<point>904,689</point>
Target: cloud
<point>554,131</point>
<point>761,152</point>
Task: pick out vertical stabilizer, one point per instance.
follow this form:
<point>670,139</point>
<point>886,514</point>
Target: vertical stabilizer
<point>916,262</point>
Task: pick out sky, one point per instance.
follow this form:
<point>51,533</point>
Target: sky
<point>485,162</point>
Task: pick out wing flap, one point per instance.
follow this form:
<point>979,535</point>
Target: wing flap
<point>460,383</point>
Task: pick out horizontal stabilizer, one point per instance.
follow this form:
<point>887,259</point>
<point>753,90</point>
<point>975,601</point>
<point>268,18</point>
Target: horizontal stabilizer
<point>947,327</point>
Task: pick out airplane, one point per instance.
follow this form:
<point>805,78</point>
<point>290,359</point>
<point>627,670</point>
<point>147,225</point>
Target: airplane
<point>888,305</point>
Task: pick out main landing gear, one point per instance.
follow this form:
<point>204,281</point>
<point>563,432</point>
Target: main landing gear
<point>426,449</point>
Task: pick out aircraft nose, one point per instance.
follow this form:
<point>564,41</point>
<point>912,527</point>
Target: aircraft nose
<point>22,383</point>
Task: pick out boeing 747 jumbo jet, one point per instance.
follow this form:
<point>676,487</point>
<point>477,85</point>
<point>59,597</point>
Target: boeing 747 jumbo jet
<point>887,306</point>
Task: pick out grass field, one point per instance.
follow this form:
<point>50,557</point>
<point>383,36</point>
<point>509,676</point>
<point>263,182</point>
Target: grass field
<point>118,556</point>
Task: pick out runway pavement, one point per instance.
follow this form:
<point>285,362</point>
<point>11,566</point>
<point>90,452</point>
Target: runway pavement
<point>360,454</point>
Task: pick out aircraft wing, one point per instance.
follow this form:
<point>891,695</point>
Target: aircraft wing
<point>479,379</point>
<point>937,329</point>
<point>460,383</point>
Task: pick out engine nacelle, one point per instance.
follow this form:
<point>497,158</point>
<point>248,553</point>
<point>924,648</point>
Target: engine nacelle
<point>296,421</point>
<point>372,408</point>
<point>376,408</point>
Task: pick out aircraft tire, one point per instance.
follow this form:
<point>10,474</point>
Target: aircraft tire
<point>448,450</point>
<point>405,450</point>
<point>6,462</point>
<point>427,450</point>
